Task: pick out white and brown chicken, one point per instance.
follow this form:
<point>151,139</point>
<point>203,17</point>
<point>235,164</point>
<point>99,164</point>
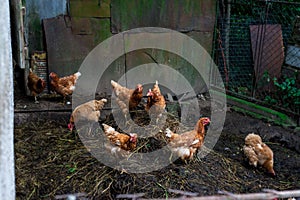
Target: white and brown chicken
<point>258,153</point>
<point>186,144</point>
<point>119,141</point>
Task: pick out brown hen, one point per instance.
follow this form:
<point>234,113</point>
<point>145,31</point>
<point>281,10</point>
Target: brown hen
<point>127,99</point>
<point>186,144</point>
<point>88,112</point>
<point>35,84</point>
<point>65,85</point>
<point>258,152</point>
<point>119,141</point>
<point>156,103</point>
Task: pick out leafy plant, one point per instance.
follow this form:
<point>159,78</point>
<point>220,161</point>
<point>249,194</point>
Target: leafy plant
<point>286,94</point>
<point>271,100</point>
<point>290,93</point>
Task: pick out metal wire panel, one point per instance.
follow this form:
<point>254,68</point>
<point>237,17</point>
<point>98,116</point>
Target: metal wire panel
<point>260,65</point>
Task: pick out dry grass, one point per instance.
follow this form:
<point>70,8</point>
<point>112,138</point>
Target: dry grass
<point>52,161</point>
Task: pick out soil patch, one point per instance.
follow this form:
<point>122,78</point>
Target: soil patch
<point>52,161</point>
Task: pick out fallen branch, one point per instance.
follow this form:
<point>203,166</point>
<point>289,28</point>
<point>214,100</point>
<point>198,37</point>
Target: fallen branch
<point>130,196</point>
<point>250,196</point>
<point>265,195</point>
<point>69,196</point>
<point>284,194</point>
<point>188,194</point>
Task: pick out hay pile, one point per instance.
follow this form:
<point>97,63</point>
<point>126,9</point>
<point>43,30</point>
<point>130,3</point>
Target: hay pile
<point>52,161</point>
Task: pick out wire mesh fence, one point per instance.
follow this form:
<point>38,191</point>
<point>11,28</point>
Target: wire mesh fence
<point>257,49</point>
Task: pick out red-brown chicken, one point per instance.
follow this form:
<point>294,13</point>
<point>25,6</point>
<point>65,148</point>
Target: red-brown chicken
<point>127,99</point>
<point>118,140</point>
<point>185,145</point>
<point>35,84</point>
<point>65,85</point>
<point>156,103</point>
<point>258,152</point>
<point>88,112</point>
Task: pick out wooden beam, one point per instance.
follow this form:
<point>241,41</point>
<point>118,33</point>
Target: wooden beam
<point>7,176</point>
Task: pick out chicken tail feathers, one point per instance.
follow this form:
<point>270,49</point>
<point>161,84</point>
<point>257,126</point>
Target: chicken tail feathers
<point>107,129</point>
<point>168,133</point>
<point>72,88</point>
<point>114,84</point>
<point>100,104</point>
<point>77,75</point>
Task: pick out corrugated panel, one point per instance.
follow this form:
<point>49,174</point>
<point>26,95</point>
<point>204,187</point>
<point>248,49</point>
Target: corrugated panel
<point>181,15</point>
<point>90,8</point>
<point>267,49</point>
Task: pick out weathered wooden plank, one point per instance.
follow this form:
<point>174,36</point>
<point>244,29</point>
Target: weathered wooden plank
<point>7,175</point>
<point>164,58</point>
<point>90,8</point>
<point>181,15</point>
<point>66,50</point>
<point>205,39</point>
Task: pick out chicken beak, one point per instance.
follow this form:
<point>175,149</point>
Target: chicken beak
<point>272,173</point>
<point>207,121</point>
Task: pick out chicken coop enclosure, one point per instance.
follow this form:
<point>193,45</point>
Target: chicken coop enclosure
<point>257,52</point>
<point>255,46</point>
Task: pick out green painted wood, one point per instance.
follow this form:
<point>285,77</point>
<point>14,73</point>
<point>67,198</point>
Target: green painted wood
<point>67,50</point>
<point>205,39</point>
<point>140,57</point>
<point>181,15</point>
<point>90,8</point>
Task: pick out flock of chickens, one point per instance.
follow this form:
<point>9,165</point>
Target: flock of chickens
<point>184,145</point>
<point>63,86</point>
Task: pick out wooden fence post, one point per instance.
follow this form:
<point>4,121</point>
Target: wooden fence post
<point>7,176</point>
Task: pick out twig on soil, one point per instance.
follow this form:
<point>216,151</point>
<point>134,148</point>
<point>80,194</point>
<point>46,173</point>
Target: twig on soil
<point>250,196</point>
<point>184,193</point>
<point>130,196</point>
<point>107,187</point>
<point>64,196</point>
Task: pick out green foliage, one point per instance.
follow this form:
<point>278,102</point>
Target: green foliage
<point>71,167</point>
<point>287,93</point>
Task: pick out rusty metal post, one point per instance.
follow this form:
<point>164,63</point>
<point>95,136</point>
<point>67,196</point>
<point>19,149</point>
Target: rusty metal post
<point>7,176</point>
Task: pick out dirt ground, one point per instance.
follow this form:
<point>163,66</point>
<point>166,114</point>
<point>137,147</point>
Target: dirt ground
<point>52,161</point>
